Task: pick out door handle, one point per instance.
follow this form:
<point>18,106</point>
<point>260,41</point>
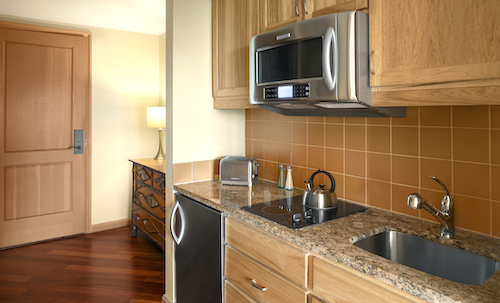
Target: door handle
<point>297,8</point>
<point>330,38</point>
<point>305,7</point>
<point>77,141</point>
<point>177,208</point>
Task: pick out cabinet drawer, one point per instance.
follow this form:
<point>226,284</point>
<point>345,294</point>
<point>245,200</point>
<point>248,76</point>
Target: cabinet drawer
<point>143,174</point>
<point>149,225</point>
<point>150,201</point>
<point>159,181</point>
<point>243,271</point>
<point>268,250</point>
<point>338,283</point>
<point>234,295</point>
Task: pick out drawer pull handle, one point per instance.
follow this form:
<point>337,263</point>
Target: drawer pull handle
<point>140,195</point>
<point>254,284</point>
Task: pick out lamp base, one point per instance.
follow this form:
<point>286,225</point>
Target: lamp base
<point>161,154</point>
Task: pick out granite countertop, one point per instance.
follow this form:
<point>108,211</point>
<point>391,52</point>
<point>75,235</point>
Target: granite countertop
<point>333,240</point>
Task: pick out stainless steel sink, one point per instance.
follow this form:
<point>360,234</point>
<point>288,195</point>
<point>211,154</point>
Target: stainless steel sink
<point>431,257</point>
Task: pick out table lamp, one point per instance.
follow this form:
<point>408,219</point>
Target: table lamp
<point>156,117</point>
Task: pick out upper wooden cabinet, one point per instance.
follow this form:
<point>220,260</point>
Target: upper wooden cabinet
<point>426,52</point>
<point>234,22</point>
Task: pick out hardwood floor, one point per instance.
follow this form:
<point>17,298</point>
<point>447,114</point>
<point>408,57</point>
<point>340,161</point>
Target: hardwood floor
<point>108,267</point>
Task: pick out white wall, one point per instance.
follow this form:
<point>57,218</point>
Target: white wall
<point>199,131</point>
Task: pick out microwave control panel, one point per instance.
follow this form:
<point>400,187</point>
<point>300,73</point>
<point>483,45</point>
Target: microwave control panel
<point>287,91</point>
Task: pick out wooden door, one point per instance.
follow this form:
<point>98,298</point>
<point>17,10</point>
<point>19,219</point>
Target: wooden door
<point>233,24</point>
<point>416,42</point>
<point>277,13</point>
<point>44,91</point>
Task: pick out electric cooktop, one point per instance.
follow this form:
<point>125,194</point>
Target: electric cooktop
<point>291,213</point>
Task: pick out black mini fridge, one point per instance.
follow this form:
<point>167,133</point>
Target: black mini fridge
<point>198,232</point>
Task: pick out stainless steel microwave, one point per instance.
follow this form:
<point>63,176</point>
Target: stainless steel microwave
<point>316,67</point>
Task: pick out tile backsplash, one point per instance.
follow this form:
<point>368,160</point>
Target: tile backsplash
<point>380,161</point>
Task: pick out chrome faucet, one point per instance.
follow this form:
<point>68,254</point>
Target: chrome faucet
<point>445,216</point>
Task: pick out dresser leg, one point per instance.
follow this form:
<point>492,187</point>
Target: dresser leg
<point>133,230</point>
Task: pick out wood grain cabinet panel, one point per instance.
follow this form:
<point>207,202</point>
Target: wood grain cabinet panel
<point>426,52</point>
<point>233,294</point>
<point>234,22</point>
<point>271,252</point>
<point>337,283</point>
<point>259,282</point>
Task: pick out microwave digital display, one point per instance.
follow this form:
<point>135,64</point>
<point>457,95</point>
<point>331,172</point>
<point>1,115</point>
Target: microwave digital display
<point>297,60</point>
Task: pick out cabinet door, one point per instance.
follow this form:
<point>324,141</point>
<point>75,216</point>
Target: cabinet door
<point>277,13</point>
<point>234,22</point>
<point>325,7</point>
<point>417,42</point>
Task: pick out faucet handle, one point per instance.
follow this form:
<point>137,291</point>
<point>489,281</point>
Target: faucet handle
<point>440,183</point>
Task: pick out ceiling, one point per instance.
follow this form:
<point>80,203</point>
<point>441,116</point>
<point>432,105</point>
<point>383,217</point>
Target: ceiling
<point>143,16</point>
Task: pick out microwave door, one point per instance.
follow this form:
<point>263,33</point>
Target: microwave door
<point>330,71</point>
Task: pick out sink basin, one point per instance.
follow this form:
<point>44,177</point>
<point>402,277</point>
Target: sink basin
<point>431,257</point>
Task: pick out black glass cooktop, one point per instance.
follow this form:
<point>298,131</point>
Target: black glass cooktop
<point>291,213</point>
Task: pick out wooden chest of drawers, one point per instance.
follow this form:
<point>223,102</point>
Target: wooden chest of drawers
<point>148,199</point>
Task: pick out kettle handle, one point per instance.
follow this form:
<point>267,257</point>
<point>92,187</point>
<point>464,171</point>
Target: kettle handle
<point>332,180</point>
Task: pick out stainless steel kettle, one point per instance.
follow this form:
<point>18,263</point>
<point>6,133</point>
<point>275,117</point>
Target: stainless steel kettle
<point>319,198</point>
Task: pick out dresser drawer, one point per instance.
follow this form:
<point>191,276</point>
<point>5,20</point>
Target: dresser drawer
<point>150,201</point>
<point>248,275</point>
<point>234,295</point>
<point>268,250</point>
<point>143,174</point>
<point>149,225</point>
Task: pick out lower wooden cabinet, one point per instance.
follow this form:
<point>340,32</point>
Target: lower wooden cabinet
<point>233,294</point>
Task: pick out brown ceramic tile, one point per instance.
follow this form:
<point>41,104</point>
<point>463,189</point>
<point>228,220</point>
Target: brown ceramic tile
<point>316,157</point>
<point>405,170</point>
<point>495,182</point>
<point>270,151</point>
<point>213,167</point>
<point>284,132</point>
<point>270,131</point>
<point>378,166</point>
<point>299,133</point>
<point>471,116</point>
<point>411,118</point>
<point>281,118</point>
<point>355,120</point>
<point>248,129</point>
<point>435,142</point>
<point>316,134</point>
<point>339,181</point>
<point>355,137</point>
<point>299,155</point>
<point>334,160</point>
<point>495,146</point>
<point>258,149</point>
<point>316,119</point>
<point>334,136</point>
<point>299,119</point>
<point>378,194</point>
<point>433,197</point>
<point>405,141</point>
<point>440,169</point>
<point>378,121</point>
<point>270,171</point>
<point>248,148</point>
<point>378,139</point>
<point>472,213</point>
<point>355,163</point>
<point>471,145</point>
<point>201,170</point>
<point>495,214</point>
<point>399,196</point>
<point>248,114</point>
<point>259,131</point>
<point>182,172</point>
<point>471,179</point>
<point>299,175</point>
<point>270,116</point>
<point>495,116</point>
<point>335,120</point>
<point>284,153</point>
<point>355,189</point>
<point>435,116</point>
<point>258,114</point>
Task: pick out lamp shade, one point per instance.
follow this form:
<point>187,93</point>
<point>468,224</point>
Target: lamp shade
<point>156,117</point>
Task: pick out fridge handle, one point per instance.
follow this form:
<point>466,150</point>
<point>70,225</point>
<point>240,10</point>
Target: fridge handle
<point>177,207</point>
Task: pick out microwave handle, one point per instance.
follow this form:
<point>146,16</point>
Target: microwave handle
<point>330,38</point>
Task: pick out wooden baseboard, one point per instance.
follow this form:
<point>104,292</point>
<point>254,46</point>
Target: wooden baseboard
<point>109,225</point>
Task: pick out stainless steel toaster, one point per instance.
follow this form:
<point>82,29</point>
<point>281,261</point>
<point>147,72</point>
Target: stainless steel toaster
<point>238,171</point>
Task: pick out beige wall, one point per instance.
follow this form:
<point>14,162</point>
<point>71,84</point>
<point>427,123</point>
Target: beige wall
<point>380,161</point>
<point>199,131</point>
